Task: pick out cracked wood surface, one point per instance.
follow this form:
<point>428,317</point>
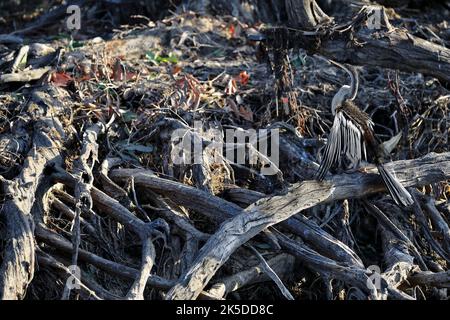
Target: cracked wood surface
<point>18,264</point>
<point>269,211</point>
<point>353,43</point>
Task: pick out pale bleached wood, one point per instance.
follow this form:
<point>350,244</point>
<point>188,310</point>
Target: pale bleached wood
<point>266,212</point>
<point>355,43</point>
<point>219,210</point>
<point>136,291</point>
<point>18,261</point>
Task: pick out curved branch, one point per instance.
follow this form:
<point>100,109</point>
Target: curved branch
<point>18,263</point>
<point>269,211</point>
<point>381,46</point>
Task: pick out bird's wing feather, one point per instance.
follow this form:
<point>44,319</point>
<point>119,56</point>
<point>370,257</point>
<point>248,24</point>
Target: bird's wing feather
<point>353,142</point>
<point>345,138</point>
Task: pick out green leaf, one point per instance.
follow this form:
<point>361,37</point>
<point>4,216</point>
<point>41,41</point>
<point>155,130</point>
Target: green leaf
<point>157,59</point>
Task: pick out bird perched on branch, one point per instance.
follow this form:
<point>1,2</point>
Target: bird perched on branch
<point>352,136</point>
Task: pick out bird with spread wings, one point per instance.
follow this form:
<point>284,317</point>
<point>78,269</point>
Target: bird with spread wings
<point>352,136</point>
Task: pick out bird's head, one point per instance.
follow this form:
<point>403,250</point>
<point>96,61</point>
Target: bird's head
<point>346,92</point>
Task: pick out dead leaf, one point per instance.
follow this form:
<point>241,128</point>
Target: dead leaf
<point>176,69</point>
<point>231,30</point>
<point>244,77</point>
<point>60,79</point>
<point>231,87</point>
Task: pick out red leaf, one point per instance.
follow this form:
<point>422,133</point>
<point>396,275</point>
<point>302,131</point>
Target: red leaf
<point>244,77</point>
<point>231,30</point>
<point>60,79</point>
<point>176,69</point>
<point>118,71</point>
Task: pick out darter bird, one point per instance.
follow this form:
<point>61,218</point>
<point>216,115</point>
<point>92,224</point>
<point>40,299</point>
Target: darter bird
<point>352,136</point>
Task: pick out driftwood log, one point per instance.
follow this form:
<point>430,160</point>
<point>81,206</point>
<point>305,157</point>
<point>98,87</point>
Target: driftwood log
<point>355,43</point>
<point>46,139</point>
<point>266,212</point>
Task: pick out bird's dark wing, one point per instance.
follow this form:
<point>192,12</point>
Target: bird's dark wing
<point>346,137</point>
<point>364,124</point>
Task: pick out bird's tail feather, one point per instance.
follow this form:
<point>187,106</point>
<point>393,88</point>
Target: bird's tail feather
<point>400,195</point>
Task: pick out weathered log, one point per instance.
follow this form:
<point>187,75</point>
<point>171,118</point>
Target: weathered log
<point>382,46</point>
<point>136,291</point>
<point>24,76</point>
<point>304,14</point>
<point>427,278</point>
<point>18,263</point>
<point>266,212</point>
<point>439,223</point>
<point>219,210</point>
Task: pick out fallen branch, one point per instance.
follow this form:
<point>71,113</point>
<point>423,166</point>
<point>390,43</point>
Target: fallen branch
<point>352,43</point>
<point>59,242</point>
<point>18,263</point>
<point>428,278</point>
<point>136,291</point>
<point>269,211</point>
<point>24,76</point>
<point>220,210</point>
<point>281,264</point>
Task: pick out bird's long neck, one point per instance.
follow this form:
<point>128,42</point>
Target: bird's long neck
<point>346,92</point>
<point>340,97</point>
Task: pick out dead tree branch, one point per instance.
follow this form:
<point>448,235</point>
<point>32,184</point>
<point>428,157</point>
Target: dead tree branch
<point>355,43</point>
<point>60,243</point>
<point>17,268</point>
<point>266,212</point>
<point>220,210</point>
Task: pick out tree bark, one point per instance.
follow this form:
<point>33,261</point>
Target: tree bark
<point>269,211</point>
<point>18,264</point>
<point>381,46</point>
